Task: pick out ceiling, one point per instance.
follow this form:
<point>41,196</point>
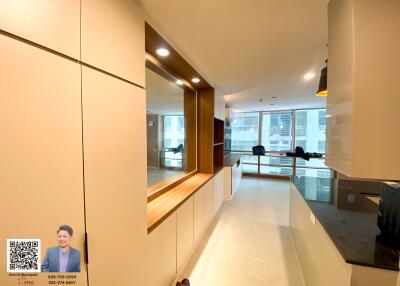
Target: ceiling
<point>162,96</point>
<point>249,50</point>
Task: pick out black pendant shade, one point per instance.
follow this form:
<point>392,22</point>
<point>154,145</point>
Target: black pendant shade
<point>323,82</point>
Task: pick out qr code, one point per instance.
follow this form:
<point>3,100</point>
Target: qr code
<point>23,255</point>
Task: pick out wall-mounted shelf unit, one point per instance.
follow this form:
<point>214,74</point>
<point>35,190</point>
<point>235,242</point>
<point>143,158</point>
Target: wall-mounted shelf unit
<point>218,150</point>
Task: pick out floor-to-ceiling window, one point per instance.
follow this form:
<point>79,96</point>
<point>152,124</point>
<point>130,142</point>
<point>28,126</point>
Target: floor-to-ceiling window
<point>244,128</point>
<point>276,136</point>
<point>310,130</point>
<point>280,132</point>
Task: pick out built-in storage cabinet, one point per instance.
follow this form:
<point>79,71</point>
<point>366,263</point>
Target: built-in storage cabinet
<point>41,150</point>
<point>113,38</point>
<point>314,248</point>
<point>185,234</point>
<point>172,242</point>
<point>53,24</point>
<point>236,176</point>
<point>73,137</point>
<point>363,102</point>
<point>218,185</point>
<point>115,178</point>
<point>232,178</point>
<point>161,256</point>
<point>199,214</point>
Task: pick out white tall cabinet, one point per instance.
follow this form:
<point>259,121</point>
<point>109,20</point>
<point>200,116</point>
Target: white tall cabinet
<point>73,134</point>
<point>363,77</point>
<point>115,178</point>
<point>41,182</point>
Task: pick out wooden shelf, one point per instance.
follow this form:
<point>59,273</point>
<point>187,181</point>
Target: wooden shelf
<point>218,148</point>
<point>218,130</point>
<point>160,208</point>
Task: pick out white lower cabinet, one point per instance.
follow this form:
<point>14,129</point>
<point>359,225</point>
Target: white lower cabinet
<point>236,176</point>
<point>227,183</point>
<point>209,202</point>
<point>161,253</point>
<point>171,244</point>
<point>218,186</point>
<point>199,214</point>
<point>232,178</point>
<point>184,232</point>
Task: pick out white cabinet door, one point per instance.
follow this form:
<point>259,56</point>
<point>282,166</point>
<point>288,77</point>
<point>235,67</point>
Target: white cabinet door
<point>41,174</point>
<point>184,233</point>
<point>218,190</point>
<point>53,24</point>
<point>228,183</point>
<point>199,214</point>
<point>236,177</point>
<point>209,202</point>
<point>115,178</point>
<point>113,38</point>
<point>161,255</point>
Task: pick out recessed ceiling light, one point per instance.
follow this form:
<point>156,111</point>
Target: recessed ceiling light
<point>179,82</point>
<point>309,76</point>
<point>195,80</point>
<point>163,52</point>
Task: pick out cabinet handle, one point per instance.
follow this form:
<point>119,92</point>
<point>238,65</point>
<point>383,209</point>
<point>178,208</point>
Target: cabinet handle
<point>86,249</point>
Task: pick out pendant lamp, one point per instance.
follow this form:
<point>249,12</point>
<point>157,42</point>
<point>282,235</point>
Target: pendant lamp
<point>323,82</point>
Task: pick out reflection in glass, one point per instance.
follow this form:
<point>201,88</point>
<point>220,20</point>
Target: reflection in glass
<point>165,130</point>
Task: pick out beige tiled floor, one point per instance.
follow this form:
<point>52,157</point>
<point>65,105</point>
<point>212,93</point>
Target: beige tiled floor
<point>249,242</point>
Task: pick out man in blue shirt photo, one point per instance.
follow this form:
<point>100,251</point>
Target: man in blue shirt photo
<point>62,258</point>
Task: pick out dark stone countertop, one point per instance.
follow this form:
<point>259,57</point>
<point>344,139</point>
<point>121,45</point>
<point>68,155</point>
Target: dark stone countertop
<point>231,159</point>
<point>348,210</point>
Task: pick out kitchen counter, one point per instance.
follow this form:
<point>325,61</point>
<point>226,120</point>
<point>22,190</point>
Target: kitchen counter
<point>347,210</point>
<point>231,159</point>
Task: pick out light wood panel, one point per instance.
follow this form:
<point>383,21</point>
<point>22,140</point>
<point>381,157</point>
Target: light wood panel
<point>114,113</point>
<point>205,130</point>
<point>41,179</point>
<point>53,24</point>
<point>184,233</point>
<point>113,38</point>
<point>175,64</point>
<point>160,259</point>
<point>163,206</point>
<point>190,113</point>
